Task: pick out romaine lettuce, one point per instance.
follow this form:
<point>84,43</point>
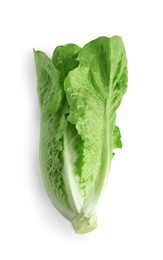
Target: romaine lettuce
<point>79,92</point>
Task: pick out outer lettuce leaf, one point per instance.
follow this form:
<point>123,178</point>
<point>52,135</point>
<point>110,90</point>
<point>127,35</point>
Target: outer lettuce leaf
<point>53,109</point>
<point>94,91</point>
<point>79,92</point>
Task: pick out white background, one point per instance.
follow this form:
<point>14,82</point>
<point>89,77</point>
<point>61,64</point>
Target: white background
<point>130,216</point>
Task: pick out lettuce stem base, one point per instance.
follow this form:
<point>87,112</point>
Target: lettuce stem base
<point>84,223</point>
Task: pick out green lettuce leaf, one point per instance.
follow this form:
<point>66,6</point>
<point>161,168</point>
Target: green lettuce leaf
<point>53,123</point>
<point>79,92</point>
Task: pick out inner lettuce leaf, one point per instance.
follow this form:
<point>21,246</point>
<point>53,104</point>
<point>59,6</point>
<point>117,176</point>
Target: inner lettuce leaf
<point>79,91</point>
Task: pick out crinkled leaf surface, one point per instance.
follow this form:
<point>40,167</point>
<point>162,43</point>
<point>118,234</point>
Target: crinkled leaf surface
<point>53,109</point>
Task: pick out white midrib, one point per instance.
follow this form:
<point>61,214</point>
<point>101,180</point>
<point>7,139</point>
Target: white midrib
<point>105,165</point>
<point>106,149</point>
<point>72,187</point>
